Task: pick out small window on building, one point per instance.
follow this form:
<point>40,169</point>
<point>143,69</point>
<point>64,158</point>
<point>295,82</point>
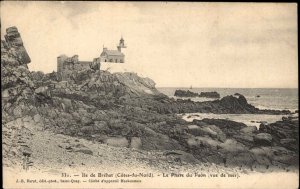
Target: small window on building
<point>116,60</point>
<point>111,60</point>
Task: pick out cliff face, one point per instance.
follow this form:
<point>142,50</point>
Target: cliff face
<point>17,88</point>
<point>18,96</point>
<point>123,109</point>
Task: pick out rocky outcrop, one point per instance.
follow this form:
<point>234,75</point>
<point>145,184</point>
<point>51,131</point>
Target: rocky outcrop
<point>263,139</point>
<point>188,93</point>
<point>13,45</point>
<point>17,88</point>
<point>209,94</point>
<point>284,133</point>
<point>18,100</point>
<point>225,105</point>
<point>136,84</point>
<point>183,93</point>
<point>233,104</point>
<point>234,144</point>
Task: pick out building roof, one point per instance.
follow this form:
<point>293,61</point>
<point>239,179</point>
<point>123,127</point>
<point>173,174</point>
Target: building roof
<point>113,53</point>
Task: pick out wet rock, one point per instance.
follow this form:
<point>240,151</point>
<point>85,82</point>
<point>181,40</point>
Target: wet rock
<point>209,94</point>
<point>210,130</point>
<point>245,138</point>
<point>263,139</point>
<point>182,93</point>
<point>194,130</point>
<point>237,105</point>
<point>226,126</point>
<point>285,132</point>
<point>289,143</point>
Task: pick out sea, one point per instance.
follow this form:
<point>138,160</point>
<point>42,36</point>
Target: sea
<point>262,98</point>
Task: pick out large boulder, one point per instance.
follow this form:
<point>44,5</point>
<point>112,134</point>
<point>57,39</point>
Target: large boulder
<point>210,130</point>
<point>229,128</point>
<point>263,139</point>
<point>231,145</point>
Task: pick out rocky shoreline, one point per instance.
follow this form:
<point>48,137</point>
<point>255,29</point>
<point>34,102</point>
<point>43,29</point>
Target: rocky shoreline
<point>226,105</point>
<point>127,111</point>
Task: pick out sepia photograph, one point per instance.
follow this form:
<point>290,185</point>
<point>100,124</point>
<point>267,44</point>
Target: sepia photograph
<point>149,94</point>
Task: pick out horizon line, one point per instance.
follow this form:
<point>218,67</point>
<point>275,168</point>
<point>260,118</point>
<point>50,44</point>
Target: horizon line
<point>232,87</point>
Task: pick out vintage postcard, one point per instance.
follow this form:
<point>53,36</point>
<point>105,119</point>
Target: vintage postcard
<point>149,95</point>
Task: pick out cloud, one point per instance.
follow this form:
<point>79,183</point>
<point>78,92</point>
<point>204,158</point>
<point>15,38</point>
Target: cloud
<point>174,43</point>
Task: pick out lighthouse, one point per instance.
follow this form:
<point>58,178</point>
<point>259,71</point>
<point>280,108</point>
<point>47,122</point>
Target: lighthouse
<point>121,44</point>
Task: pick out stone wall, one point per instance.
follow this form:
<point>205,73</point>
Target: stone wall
<point>67,66</point>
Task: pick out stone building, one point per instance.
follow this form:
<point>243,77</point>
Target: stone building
<point>66,66</point>
<point>113,56</point>
<point>71,63</point>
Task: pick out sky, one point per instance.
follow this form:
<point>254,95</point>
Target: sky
<point>228,45</point>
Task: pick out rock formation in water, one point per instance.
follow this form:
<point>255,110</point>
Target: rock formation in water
<point>213,94</point>
<point>183,93</point>
<point>188,93</point>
